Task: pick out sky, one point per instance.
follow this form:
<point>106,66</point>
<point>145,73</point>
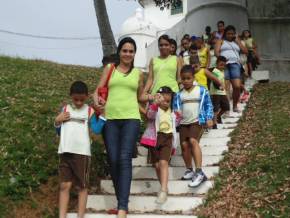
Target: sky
<point>60,18</point>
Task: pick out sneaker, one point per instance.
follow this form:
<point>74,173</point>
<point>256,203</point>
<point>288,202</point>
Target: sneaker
<point>187,175</point>
<point>199,178</point>
<point>214,126</point>
<point>161,198</point>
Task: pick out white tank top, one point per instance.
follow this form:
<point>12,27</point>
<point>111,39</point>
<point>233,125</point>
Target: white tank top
<point>231,51</point>
<point>74,134</point>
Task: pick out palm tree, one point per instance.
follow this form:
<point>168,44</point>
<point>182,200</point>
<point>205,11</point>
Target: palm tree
<point>106,33</point>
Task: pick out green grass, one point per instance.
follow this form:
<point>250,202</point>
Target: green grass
<point>255,176</point>
<point>32,93</point>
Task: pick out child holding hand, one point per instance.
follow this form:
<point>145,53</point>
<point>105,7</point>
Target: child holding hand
<point>160,137</point>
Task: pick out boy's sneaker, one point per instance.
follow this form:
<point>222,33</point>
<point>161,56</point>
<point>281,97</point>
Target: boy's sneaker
<point>161,198</point>
<point>214,126</point>
<point>198,178</point>
<point>188,175</point>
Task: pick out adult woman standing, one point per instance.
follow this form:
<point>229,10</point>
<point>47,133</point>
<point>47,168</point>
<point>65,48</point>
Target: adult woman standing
<point>230,47</point>
<point>163,70</point>
<point>123,119</point>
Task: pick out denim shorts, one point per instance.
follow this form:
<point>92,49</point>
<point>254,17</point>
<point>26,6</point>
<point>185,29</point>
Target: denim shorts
<point>233,71</point>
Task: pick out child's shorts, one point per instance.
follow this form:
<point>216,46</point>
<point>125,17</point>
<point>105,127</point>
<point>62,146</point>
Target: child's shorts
<point>163,149</point>
<point>193,130</point>
<point>220,102</point>
<point>74,168</point>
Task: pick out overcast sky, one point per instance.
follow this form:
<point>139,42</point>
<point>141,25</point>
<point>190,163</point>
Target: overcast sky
<point>64,18</point>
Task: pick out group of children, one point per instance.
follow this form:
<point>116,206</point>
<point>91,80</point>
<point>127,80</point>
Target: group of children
<point>199,104</point>
<point>192,110</point>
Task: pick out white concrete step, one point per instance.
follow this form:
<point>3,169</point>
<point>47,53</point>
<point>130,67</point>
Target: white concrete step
<point>102,215</point>
<point>175,173</point>
<point>152,187</point>
<point>227,126</point>
<point>259,75</point>
<point>230,120</point>
<point>214,141</point>
<point>146,204</point>
<point>177,161</point>
<point>234,114</point>
<point>203,142</point>
<point>209,150</point>
<point>217,133</point>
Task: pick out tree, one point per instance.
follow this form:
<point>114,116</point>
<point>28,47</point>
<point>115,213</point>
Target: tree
<point>167,3</point>
<point>106,33</point>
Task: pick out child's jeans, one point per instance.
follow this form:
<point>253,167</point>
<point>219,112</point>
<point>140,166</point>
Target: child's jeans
<point>120,139</point>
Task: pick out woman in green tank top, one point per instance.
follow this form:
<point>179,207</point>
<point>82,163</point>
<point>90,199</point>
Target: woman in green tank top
<point>163,70</point>
<point>123,120</point>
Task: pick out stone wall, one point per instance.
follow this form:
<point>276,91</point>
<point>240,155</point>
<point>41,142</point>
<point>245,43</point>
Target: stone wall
<point>270,24</point>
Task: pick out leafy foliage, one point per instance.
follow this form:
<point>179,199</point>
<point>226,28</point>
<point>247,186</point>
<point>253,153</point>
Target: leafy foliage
<point>167,3</point>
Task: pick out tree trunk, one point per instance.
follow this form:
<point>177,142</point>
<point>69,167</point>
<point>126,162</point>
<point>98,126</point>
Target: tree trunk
<point>106,33</point>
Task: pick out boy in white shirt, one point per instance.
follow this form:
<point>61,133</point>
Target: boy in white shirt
<point>196,113</point>
<point>74,150</point>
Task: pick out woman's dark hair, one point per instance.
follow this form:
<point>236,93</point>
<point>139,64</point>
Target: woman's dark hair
<point>164,37</point>
<point>243,34</point>
<point>120,46</point>
<point>208,29</point>
<point>186,36</point>
<point>221,59</point>
<point>173,42</point>
<point>221,22</point>
<point>187,69</point>
<point>79,87</point>
<point>227,29</point>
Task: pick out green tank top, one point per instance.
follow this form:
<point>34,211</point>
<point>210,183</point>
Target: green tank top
<point>164,73</point>
<point>122,102</point>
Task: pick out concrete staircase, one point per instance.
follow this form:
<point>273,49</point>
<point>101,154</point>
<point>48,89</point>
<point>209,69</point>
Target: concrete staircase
<point>182,200</point>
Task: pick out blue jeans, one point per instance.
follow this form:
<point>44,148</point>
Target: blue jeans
<point>233,71</point>
<point>120,139</point>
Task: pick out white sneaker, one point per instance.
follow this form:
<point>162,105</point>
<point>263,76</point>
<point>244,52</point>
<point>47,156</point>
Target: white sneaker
<point>197,179</point>
<point>188,175</point>
<point>161,198</point>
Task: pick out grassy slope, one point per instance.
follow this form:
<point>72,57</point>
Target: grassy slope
<point>31,95</point>
<point>254,180</point>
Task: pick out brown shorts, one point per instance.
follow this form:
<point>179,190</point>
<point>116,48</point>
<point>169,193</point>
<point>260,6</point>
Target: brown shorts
<point>220,102</point>
<point>163,149</point>
<point>74,168</point>
<point>189,131</point>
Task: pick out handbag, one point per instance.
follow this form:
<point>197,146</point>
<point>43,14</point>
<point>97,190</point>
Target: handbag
<point>104,91</point>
